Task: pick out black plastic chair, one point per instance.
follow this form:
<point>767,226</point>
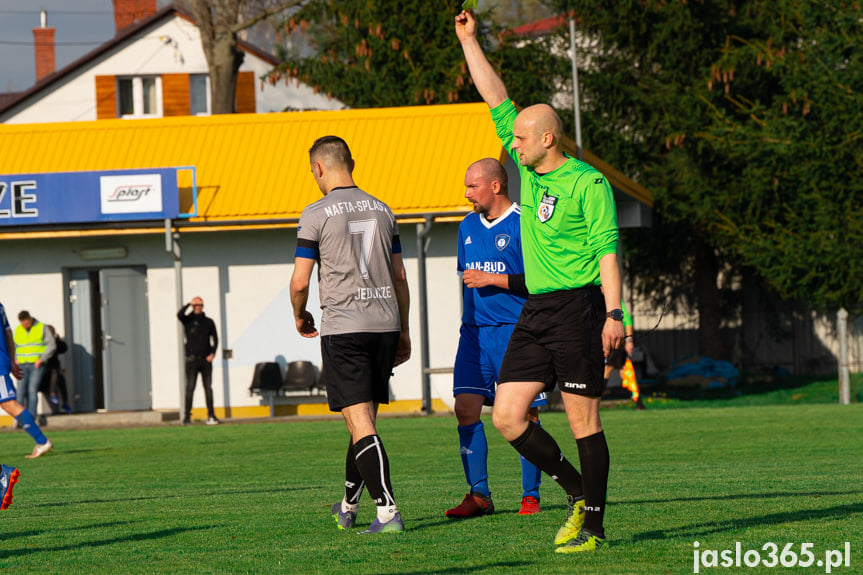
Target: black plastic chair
<point>300,376</point>
<point>268,377</point>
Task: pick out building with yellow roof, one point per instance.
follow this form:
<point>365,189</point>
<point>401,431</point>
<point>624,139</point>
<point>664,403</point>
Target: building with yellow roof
<point>233,188</point>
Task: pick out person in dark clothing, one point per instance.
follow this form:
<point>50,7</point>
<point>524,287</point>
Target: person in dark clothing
<point>201,344</point>
<point>53,384</point>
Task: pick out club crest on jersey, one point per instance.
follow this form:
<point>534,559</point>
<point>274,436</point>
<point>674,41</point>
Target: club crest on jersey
<point>501,241</point>
<point>546,208</point>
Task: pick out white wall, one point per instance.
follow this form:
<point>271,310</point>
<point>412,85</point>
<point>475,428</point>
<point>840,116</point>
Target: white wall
<point>243,278</point>
<point>172,48</point>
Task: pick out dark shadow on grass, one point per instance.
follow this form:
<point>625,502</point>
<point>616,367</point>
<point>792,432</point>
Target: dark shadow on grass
<point>732,497</point>
<point>522,566</point>
<point>417,523</point>
<point>130,538</point>
<point>697,530</point>
<point>162,495</point>
<point>7,536</point>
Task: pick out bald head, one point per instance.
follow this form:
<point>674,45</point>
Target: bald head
<point>543,119</point>
<point>197,305</point>
<point>537,138</point>
<point>486,186</point>
<point>492,171</point>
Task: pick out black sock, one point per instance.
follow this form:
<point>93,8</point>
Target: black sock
<point>594,458</point>
<point>540,448</point>
<point>353,480</point>
<point>374,467</point>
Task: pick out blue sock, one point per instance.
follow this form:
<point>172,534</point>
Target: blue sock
<point>474,454</point>
<point>29,425</point>
<point>531,477</point>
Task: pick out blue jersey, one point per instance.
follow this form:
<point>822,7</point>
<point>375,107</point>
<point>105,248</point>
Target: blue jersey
<point>5,362</point>
<point>493,247</point>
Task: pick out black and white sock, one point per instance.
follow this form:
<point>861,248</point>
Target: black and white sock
<point>354,483</point>
<point>374,466</point>
<point>540,448</point>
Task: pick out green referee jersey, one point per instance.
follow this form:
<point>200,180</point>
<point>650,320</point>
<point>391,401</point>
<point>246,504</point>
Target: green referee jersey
<point>568,218</point>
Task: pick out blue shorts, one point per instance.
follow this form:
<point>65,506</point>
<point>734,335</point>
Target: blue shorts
<point>477,362</point>
<point>7,389</point>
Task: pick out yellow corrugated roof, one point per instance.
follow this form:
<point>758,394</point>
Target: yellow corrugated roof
<point>255,166</point>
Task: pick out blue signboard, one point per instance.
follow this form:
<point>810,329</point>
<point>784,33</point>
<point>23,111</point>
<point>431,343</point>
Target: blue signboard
<point>89,197</point>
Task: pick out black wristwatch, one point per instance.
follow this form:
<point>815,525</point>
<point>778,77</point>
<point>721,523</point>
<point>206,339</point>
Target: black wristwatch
<point>615,314</point>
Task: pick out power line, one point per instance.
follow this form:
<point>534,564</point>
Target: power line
<point>65,12</point>
<point>24,43</point>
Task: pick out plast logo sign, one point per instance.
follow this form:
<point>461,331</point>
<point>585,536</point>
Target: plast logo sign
<point>131,194</point>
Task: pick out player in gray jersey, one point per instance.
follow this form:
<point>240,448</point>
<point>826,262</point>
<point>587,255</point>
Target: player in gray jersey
<point>364,295</point>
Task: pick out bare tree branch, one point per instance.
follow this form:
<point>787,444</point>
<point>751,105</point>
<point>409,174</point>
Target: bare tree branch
<point>266,13</point>
<point>219,22</point>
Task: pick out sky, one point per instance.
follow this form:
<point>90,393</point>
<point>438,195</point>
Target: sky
<point>81,26</point>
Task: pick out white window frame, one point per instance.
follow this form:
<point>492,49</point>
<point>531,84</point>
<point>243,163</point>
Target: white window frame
<point>138,97</point>
<point>206,93</point>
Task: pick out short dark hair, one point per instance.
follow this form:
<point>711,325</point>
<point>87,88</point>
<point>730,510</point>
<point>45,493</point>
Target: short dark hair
<point>24,314</point>
<point>331,151</point>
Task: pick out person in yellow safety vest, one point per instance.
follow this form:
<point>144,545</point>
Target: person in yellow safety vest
<point>34,345</point>
<point>620,359</point>
<point>9,367</point>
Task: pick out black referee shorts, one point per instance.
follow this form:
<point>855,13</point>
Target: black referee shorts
<point>558,339</point>
<point>357,367</point>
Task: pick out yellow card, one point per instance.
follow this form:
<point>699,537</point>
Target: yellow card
<point>469,5</point>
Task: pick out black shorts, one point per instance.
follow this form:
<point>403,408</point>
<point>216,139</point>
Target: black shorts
<point>558,339</point>
<point>357,367</point>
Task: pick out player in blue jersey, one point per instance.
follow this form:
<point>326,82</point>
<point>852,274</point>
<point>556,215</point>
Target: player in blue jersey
<point>490,262</point>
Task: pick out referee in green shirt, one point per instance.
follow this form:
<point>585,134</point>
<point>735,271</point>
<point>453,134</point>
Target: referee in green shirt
<point>572,318</point>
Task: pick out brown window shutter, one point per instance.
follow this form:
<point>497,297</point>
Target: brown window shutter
<point>175,95</point>
<point>244,98</point>
<point>106,97</point>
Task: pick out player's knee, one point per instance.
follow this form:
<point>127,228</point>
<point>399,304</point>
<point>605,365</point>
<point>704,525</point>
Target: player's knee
<point>468,408</point>
<point>506,422</point>
<point>467,416</point>
<point>584,426</point>
<point>12,407</point>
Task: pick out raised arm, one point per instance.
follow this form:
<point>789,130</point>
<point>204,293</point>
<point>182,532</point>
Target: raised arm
<point>487,82</point>
<point>181,315</point>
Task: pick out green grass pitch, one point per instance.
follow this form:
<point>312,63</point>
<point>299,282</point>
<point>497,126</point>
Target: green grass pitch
<point>255,498</point>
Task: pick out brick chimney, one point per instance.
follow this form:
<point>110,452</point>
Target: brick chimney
<point>128,12</point>
<point>43,40</point>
